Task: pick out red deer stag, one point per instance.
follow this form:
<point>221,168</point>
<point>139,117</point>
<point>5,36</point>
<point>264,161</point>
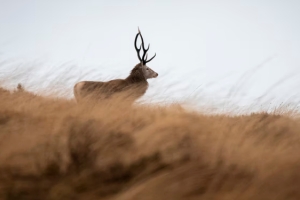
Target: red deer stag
<point>136,83</point>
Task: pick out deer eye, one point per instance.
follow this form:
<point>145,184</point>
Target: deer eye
<point>147,68</point>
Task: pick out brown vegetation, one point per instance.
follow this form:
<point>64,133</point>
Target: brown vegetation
<point>55,149</point>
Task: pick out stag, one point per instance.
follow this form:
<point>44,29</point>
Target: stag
<point>135,84</point>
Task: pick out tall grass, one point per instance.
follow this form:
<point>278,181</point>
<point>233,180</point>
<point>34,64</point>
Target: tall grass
<point>53,148</point>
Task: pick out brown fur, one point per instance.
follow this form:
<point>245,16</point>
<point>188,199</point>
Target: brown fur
<point>135,84</point>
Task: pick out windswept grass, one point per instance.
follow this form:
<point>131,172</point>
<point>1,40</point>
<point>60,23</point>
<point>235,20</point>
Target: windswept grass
<point>52,148</point>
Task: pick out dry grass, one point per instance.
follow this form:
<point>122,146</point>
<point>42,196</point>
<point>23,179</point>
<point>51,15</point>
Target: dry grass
<point>55,149</point>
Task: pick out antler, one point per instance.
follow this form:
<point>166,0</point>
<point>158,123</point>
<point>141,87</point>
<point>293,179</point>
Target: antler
<point>145,54</point>
<point>137,49</point>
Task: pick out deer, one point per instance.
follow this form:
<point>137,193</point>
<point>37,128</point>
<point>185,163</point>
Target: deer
<point>135,84</point>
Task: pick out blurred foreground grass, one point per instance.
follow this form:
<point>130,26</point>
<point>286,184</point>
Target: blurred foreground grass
<point>52,148</point>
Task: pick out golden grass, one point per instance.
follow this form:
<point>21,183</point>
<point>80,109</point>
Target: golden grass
<point>54,149</point>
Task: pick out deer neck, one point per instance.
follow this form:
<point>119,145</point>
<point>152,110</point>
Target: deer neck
<point>136,76</point>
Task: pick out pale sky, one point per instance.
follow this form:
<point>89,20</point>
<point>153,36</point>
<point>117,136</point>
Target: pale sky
<point>218,50</point>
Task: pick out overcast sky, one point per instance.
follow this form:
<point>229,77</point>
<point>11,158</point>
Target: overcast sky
<point>215,49</point>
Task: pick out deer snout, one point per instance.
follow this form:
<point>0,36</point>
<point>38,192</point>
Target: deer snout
<point>156,75</point>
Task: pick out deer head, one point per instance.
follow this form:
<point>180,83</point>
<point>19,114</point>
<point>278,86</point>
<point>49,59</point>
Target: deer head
<point>147,71</point>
